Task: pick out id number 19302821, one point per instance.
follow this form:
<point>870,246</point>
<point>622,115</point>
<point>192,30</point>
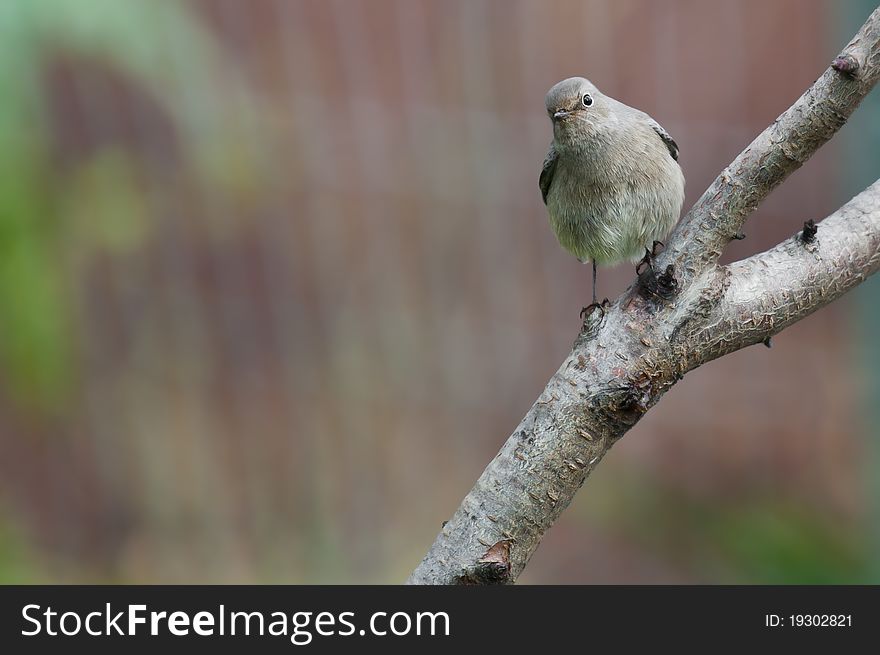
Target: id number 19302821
<point>808,620</point>
<point>821,620</point>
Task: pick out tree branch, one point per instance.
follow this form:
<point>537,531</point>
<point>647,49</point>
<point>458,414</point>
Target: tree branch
<point>627,357</point>
<point>766,293</point>
<point>701,236</point>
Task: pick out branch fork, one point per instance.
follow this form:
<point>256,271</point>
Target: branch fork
<point>685,309</point>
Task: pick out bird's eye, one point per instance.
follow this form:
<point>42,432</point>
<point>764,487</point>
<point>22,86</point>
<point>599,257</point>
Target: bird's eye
<point>587,100</point>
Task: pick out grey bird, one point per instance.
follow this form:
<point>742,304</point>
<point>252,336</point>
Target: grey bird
<point>611,180</point>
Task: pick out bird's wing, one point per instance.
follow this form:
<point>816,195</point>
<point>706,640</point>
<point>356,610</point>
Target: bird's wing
<point>668,140</point>
<point>547,171</point>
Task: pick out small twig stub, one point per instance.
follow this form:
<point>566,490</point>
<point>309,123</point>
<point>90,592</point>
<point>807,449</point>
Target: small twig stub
<point>846,64</point>
<point>808,234</point>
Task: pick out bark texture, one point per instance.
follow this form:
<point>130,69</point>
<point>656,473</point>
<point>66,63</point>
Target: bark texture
<point>684,312</point>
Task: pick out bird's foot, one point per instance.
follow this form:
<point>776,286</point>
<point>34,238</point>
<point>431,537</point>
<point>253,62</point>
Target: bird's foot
<point>648,260</point>
<point>595,306</point>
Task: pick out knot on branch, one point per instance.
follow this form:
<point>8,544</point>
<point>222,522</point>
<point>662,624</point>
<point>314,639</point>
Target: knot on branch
<point>846,65</point>
<point>492,568</point>
<point>663,286</point>
<point>625,405</point>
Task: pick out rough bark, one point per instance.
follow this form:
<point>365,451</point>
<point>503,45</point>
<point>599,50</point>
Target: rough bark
<point>666,324</point>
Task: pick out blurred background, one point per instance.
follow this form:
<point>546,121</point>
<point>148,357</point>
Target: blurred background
<point>276,282</point>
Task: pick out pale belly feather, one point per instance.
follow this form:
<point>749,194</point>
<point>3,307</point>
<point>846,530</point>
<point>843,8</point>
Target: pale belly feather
<point>611,223</point>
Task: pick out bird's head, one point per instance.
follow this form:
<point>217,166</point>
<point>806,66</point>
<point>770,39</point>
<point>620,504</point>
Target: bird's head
<point>577,108</point>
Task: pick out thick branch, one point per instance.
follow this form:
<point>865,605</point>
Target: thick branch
<point>621,367</point>
<point>782,148</point>
<point>764,294</point>
<point>665,325</point>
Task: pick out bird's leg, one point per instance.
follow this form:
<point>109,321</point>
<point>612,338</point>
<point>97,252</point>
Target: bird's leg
<point>586,311</point>
<point>594,281</point>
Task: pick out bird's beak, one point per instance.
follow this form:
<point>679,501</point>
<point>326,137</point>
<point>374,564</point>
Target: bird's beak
<point>559,115</point>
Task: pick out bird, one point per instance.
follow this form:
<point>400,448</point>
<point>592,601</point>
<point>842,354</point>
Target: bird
<point>611,179</point>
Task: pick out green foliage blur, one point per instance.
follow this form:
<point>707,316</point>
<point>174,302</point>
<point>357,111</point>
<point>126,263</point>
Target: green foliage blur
<point>746,539</point>
<point>51,219</point>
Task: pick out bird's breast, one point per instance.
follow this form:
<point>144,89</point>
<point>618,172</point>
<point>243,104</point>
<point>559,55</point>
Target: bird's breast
<point>611,213</point>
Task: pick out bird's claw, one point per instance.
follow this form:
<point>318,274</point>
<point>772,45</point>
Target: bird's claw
<point>589,309</point>
<point>648,260</point>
